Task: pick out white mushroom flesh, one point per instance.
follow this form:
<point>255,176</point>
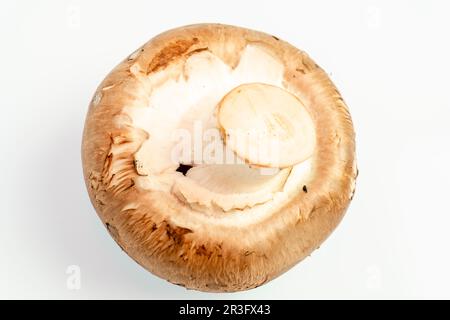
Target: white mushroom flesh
<point>182,123</point>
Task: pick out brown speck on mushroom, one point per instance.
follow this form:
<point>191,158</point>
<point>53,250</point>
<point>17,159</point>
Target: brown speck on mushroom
<point>190,53</point>
<point>170,53</point>
<point>176,234</point>
<point>139,167</point>
<point>112,230</point>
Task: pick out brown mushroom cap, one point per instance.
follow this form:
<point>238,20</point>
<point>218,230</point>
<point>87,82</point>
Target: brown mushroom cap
<point>207,247</point>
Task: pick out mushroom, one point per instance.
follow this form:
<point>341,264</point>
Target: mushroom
<point>218,157</point>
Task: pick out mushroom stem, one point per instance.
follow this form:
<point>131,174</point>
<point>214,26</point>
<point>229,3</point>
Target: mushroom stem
<point>266,125</point>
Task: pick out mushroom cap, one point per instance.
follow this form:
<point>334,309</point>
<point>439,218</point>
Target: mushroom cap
<point>210,248</point>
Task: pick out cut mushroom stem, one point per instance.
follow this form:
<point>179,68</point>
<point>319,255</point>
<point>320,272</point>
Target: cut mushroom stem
<point>229,187</point>
<point>266,125</point>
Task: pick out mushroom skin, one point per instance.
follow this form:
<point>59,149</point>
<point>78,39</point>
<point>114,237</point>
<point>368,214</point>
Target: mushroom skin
<point>178,243</point>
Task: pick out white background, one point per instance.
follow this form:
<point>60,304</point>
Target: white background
<point>390,60</point>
